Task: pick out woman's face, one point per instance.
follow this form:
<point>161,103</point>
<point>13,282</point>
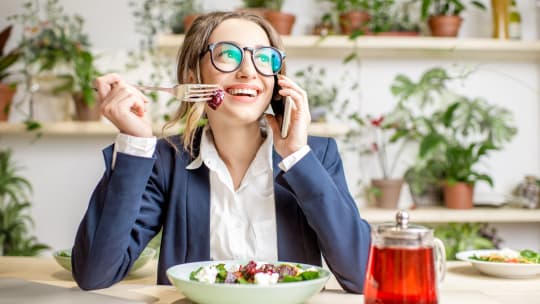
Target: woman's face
<point>247,92</point>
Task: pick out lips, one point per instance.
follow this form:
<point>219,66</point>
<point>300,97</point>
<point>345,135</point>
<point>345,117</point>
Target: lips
<point>242,92</point>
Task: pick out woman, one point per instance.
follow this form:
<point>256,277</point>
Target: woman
<point>231,190</point>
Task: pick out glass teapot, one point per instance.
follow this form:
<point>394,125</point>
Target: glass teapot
<point>405,264</point>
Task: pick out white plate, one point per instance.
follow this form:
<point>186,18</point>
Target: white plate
<point>205,293</point>
<point>499,269</point>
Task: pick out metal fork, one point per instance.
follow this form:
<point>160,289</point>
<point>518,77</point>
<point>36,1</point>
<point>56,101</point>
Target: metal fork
<point>188,92</point>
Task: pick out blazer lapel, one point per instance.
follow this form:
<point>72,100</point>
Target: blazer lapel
<point>198,214</point>
<point>288,226</point>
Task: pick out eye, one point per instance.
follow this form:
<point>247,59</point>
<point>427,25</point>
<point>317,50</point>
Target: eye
<point>264,57</point>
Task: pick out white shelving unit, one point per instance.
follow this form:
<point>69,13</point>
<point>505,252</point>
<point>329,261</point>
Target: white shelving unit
<point>394,47</point>
<point>366,47</point>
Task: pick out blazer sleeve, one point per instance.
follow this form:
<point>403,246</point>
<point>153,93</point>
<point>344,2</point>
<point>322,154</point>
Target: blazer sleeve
<point>123,215</point>
<point>344,237</point>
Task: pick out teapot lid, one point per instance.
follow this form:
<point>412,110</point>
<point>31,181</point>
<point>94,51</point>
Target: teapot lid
<point>402,230</point>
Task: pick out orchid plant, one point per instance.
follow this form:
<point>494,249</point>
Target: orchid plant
<point>387,139</point>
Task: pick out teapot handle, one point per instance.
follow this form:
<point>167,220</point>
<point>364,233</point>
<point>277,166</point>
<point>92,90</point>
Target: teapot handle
<point>440,259</point>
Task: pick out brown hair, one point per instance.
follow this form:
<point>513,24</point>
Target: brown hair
<point>195,42</point>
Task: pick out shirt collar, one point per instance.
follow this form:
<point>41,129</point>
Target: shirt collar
<point>208,153</point>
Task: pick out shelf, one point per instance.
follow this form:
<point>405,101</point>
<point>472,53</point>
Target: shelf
<point>74,128</point>
<point>394,47</point>
<point>444,215</point>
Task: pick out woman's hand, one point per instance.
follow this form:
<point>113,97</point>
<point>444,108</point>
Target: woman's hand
<point>300,119</point>
<point>125,106</point>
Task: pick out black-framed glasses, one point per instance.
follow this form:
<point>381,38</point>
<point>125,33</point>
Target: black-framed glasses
<point>227,57</point>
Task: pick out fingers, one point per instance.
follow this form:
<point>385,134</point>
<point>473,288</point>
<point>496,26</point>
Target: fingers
<point>122,99</point>
<point>104,84</point>
<point>297,94</point>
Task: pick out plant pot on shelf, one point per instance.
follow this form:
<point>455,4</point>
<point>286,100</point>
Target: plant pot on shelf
<point>6,96</point>
<point>352,21</point>
<point>431,196</point>
<point>188,21</point>
<point>48,105</point>
<point>282,22</point>
<point>444,26</point>
<point>388,192</point>
<point>458,195</point>
<point>84,111</point>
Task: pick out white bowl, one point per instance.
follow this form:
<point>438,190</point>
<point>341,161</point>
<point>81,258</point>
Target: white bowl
<point>499,269</point>
<point>206,293</point>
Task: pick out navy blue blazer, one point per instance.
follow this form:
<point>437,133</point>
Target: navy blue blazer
<point>315,214</point>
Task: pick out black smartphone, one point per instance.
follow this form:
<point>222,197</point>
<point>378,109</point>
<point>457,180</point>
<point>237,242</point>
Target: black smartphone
<point>281,106</point>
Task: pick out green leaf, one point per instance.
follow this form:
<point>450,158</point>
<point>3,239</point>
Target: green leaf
<point>309,275</point>
<point>429,143</point>
<point>352,56</point>
<point>193,274</point>
<point>289,279</point>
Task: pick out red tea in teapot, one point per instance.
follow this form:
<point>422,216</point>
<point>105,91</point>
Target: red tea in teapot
<point>401,276</point>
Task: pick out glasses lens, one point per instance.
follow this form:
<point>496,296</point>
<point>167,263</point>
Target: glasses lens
<point>227,57</point>
<point>267,60</point>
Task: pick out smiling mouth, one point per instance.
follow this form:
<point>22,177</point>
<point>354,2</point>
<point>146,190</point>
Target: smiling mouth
<point>242,92</point>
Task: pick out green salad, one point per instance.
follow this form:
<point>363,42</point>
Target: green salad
<point>254,273</point>
<point>526,256</point>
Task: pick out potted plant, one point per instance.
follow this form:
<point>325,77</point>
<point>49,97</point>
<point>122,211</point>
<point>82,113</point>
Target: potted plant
<point>463,133</point>
<point>281,21</point>
<point>57,58</point>
<point>392,19</point>
<point>184,12</point>
<point>353,16</point>
<point>15,222</point>
<point>385,137</point>
<point>443,16</point>
<point>454,132</point>
<point>325,26</point>
<point>7,90</point>
<point>416,103</point>
<point>271,10</point>
<point>321,95</point>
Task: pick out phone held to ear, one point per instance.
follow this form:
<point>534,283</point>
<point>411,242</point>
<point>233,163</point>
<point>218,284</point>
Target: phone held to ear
<point>282,106</point>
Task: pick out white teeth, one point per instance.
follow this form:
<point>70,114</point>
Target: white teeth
<point>249,92</point>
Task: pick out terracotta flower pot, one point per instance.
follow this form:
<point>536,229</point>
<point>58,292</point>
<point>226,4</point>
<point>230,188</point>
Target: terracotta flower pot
<point>354,20</point>
<point>444,26</point>
<point>458,195</point>
<point>282,22</point>
<point>188,20</point>
<point>84,112</point>
<point>6,96</point>
<point>389,192</point>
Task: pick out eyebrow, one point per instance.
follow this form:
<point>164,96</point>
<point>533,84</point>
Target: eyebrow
<point>239,44</point>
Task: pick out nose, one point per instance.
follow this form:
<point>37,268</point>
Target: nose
<point>247,68</point>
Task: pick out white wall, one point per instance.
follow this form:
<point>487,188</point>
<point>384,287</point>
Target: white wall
<point>64,170</point>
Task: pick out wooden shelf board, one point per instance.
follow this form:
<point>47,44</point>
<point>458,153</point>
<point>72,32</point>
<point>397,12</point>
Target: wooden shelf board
<point>444,215</point>
<point>394,47</point>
